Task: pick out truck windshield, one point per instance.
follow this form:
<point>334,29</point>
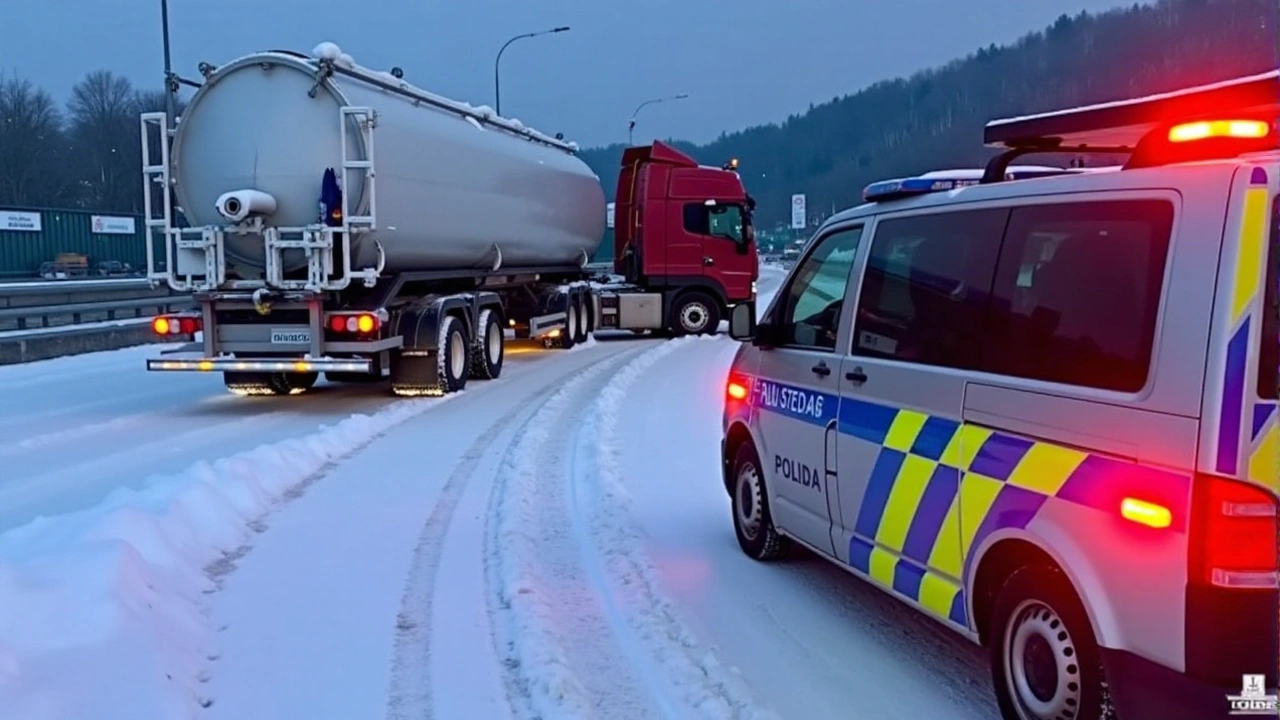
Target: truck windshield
<point>1269,357</point>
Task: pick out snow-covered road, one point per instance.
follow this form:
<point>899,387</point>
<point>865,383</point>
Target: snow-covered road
<point>555,544</point>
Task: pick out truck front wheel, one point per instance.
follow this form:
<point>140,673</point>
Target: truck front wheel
<point>694,313</point>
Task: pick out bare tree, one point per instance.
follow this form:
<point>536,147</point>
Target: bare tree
<point>105,141</point>
<point>31,144</point>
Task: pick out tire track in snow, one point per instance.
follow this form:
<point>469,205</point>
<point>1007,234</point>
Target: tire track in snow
<point>543,622</point>
<point>613,551</point>
<point>411,696</point>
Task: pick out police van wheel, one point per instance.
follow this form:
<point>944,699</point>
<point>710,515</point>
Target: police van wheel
<point>1044,658</point>
<point>752,521</point>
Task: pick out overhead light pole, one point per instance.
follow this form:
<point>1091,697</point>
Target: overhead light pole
<point>497,87</point>
<point>170,82</point>
<point>631,127</point>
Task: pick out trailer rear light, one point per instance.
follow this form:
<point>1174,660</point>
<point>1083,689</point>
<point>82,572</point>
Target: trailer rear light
<point>1233,535</point>
<point>1207,129</point>
<point>175,325</point>
<point>362,323</point>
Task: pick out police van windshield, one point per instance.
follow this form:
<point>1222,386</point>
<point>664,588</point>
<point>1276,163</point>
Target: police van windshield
<point>1269,357</point>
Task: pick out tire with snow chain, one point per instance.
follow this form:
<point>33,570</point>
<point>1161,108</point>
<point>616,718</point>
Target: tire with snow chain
<point>694,313</point>
<point>453,356</point>
<point>247,384</point>
<point>752,520</point>
<point>488,351</point>
<point>1045,662</point>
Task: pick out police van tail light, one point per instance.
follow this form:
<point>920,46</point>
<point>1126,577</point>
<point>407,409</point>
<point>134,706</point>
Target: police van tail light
<point>736,389</point>
<point>1234,535</point>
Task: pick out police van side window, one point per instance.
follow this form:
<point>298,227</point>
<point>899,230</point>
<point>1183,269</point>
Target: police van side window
<point>1077,293</point>
<point>926,287</point>
<point>810,313</point>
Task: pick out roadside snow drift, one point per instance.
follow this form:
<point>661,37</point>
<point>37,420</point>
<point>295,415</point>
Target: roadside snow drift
<point>100,610</point>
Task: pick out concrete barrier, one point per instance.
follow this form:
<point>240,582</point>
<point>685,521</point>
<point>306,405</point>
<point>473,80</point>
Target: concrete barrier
<point>43,344</point>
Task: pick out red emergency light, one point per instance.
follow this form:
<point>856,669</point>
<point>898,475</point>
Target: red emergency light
<point>1225,129</point>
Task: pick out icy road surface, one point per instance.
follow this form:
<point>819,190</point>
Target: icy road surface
<point>74,429</point>
<point>556,544</point>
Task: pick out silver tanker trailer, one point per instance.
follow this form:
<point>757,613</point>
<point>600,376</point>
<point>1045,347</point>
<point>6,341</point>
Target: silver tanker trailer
<point>340,220</point>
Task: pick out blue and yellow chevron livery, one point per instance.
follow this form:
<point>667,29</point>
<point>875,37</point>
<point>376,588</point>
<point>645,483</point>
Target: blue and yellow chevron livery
<point>1262,447</point>
<point>939,488</point>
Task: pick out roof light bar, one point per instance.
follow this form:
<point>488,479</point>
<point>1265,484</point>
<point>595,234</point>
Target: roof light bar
<point>1124,123</point>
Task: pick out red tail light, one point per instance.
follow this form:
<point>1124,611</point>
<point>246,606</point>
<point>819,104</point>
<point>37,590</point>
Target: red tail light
<point>355,323</point>
<point>1233,534</point>
<point>736,389</point>
<point>175,325</point>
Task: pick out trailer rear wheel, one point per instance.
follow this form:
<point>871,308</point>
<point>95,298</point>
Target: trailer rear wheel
<point>580,330</point>
<point>453,357</point>
<point>566,337</point>
<point>694,313</point>
<point>487,354</point>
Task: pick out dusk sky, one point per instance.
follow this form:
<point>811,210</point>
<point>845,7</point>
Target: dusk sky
<point>743,62</point>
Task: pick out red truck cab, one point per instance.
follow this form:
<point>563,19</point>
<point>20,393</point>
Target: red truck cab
<point>682,228</point>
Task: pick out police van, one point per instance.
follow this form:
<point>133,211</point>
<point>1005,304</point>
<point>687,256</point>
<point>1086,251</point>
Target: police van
<point>1039,405</point>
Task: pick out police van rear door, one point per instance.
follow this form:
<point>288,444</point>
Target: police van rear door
<point>1247,445</point>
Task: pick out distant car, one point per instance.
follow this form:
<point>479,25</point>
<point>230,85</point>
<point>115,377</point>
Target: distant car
<point>1043,411</point>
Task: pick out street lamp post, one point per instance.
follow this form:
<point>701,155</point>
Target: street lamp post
<point>497,88</point>
<point>631,127</point>
<point>170,83</point>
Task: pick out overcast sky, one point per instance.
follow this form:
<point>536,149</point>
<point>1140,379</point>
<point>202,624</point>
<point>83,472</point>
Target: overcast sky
<point>743,62</point>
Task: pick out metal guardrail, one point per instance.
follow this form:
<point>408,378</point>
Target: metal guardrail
<point>40,309</point>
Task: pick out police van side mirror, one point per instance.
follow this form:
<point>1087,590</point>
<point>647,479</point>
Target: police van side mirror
<point>742,321</point>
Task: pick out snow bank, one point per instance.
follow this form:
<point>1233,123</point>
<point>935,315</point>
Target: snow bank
<point>100,610</point>
<point>714,690</point>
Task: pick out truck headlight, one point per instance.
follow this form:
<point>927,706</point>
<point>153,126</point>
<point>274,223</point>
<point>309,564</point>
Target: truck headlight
<point>753,288</point>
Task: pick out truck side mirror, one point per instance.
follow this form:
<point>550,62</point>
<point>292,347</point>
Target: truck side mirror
<point>742,321</point>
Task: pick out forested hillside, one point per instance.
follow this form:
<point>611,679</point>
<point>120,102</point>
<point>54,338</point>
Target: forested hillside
<point>934,119</point>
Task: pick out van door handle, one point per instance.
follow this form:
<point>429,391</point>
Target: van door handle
<point>856,376</point>
<point>708,262</point>
<point>821,369</point>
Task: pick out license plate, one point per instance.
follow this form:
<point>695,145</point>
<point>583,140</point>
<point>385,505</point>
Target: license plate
<point>290,337</point>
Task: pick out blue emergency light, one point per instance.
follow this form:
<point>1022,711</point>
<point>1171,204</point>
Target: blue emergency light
<point>945,180</point>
